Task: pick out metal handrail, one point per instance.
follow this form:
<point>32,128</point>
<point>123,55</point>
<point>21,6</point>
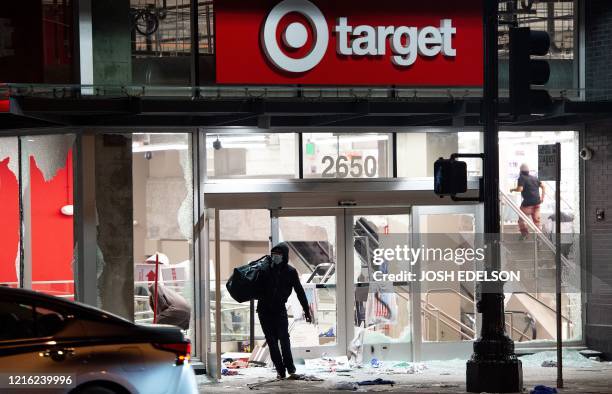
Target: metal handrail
<point>554,190</point>
<point>539,233</point>
<point>543,304</point>
<point>532,321</point>
<point>433,308</point>
<point>512,329</point>
<point>367,231</point>
<point>437,317</point>
<point>325,277</point>
<point>299,255</point>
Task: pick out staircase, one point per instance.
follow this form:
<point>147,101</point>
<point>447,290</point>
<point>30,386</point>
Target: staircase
<point>529,305</point>
<point>532,308</point>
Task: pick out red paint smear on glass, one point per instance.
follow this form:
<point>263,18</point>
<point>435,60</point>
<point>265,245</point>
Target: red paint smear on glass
<point>52,231</point>
<point>9,227</point>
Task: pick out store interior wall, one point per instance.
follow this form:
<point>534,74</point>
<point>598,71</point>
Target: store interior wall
<point>159,190</point>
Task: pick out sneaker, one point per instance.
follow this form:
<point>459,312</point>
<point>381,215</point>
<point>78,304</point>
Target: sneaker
<point>280,376</point>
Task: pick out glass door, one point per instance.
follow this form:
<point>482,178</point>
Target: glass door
<point>447,309</point>
<point>381,308</point>
<point>316,251</point>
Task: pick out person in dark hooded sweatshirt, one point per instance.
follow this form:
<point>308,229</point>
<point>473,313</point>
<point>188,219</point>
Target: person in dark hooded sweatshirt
<point>280,281</point>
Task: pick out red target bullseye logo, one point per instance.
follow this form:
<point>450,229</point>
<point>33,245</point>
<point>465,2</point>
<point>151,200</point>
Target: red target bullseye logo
<point>295,36</point>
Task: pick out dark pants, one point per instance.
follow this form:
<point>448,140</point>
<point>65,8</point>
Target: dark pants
<point>275,326</point>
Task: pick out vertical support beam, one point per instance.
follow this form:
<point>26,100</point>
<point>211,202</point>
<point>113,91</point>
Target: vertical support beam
<point>394,155</point>
<point>199,248</point>
<point>85,219</point>
<point>22,233</point>
<point>25,209</point>
<point>415,286</point>
<point>218,294</point>
<point>84,35</point>
<point>251,325</point>
<point>195,49</point>
<point>558,266</point>
<point>300,156</point>
<point>493,366</point>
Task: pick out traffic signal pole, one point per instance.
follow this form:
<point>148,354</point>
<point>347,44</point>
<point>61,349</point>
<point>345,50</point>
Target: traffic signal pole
<point>493,366</point>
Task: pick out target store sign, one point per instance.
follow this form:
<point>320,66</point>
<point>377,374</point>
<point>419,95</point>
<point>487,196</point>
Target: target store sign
<point>386,42</point>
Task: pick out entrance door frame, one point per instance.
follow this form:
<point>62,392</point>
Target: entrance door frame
<point>425,350</point>
<point>339,349</point>
<point>389,350</point>
<point>345,288</point>
<point>381,196</point>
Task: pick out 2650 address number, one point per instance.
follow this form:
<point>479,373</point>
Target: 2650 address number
<point>355,167</point>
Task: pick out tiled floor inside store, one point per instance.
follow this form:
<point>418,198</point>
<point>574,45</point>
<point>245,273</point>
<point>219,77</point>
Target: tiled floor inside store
<point>581,376</point>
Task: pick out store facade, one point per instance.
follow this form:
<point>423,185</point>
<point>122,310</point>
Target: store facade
<point>213,182</point>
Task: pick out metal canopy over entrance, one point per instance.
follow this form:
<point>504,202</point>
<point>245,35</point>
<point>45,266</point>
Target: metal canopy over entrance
<point>276,108</point>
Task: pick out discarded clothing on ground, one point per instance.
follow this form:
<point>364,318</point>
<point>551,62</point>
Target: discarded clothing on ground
<point>348,386</point>
<point>308,378</point>
<point>328,364</point>
<point>229,372</point>
<point>355,349</point>
<point>541,389</point>
<point>376,382</point>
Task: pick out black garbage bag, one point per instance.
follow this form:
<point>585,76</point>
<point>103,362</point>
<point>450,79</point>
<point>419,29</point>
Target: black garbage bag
<point>248,281</point>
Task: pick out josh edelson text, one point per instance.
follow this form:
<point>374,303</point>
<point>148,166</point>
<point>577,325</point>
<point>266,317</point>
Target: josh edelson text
<point>390,260</point>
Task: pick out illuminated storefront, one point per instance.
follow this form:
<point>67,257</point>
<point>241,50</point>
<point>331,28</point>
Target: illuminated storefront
<point>212,182</point>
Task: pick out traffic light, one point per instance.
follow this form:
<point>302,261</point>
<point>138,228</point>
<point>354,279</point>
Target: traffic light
<point>450,177</point>
<point>525,71</point>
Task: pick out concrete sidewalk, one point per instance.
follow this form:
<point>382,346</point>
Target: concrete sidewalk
<point>436,379</point>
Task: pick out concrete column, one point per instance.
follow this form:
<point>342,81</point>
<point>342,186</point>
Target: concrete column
<point>114,206</point>
<point>111,42</point>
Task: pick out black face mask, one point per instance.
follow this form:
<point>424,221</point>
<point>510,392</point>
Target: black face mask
<point>525,173</point>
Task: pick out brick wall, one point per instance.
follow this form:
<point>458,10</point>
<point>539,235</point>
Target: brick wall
<point>598,38</point>
<point>598,190</point>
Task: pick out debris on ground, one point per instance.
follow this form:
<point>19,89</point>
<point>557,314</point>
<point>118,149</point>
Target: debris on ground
<point>571,359</point>
<point>405,367</point>
<point>308,378</point>
<point>348,386</point>
<point>355,349</point>
<point>376,382</point>
<point>541,389</point>
<point>549,364</point>
<point>229,372</point>
<point>328,364</point>
<point>258,385</point>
